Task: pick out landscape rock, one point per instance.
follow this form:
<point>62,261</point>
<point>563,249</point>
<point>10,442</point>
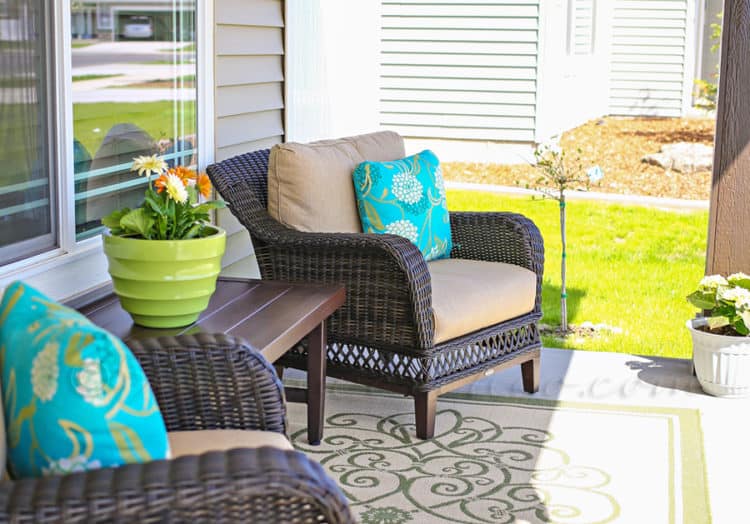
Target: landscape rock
<point>685,157</point>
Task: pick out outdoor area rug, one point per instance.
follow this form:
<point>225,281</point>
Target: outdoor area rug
<point>510,460</point>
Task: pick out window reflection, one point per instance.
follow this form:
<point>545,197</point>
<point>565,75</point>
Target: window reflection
<point>26,192</point>
<point>133,94</point>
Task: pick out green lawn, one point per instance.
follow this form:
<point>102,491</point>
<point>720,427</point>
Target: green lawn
<point>628,266</point>
<point>93,121</point>
<point>83,78</point>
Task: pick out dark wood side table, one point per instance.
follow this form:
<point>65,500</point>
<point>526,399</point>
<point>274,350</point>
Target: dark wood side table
<point>272,316</point>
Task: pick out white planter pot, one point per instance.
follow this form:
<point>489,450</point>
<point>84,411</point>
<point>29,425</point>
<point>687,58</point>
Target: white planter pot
<point>722,363</point>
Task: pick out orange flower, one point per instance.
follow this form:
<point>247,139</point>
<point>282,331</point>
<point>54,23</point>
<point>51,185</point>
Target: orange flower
<point>161,183</point>
<point>183,173</point>
<point>204,185</point>
<point>186,176</point>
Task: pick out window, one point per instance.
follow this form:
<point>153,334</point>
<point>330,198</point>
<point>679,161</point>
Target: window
<point>133,95</point>
<point>27,208</point>
<point>130,89</point>
<point>581,19</point>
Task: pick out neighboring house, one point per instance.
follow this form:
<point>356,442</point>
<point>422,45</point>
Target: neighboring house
<point>520,71</point>
<point>109,19</point>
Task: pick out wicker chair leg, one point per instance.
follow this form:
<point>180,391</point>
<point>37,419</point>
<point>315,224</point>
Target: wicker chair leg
<point>530,375</point>
<point>425,405</point>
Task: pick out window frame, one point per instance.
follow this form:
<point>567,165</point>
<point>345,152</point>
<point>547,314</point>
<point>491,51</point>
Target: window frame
<point>84,260</point>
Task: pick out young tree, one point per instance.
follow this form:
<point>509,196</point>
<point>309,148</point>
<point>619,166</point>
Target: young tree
<point>706,91</point>
<point>558,173</point>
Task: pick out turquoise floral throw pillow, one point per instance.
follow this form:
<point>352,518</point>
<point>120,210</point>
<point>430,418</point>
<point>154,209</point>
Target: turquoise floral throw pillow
<point>406,197</point>
<point>74,396</point>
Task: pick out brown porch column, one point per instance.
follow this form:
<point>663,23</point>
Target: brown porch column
<point>729,221</point>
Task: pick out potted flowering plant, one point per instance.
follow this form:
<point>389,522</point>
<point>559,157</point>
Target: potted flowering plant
<point>164,256</point>
<point>721,346</point>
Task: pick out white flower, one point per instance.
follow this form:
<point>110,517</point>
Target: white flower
<point>90,384</point>
<point>712,282</point>
<point>44,372</point>
<point>70,465</point>
<point>404,228</point>
<point>149,165</point>
<point>176,189</point>
<point>407,188</point>
<point>733,294</point>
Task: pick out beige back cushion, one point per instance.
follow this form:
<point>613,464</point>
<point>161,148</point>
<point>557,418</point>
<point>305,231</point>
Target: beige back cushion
<point>310,186</point>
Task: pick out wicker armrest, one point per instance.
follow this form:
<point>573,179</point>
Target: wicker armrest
<point>240,485</point>
<point>499,237</point>
<point>212,382</point>
<point>386,279</point>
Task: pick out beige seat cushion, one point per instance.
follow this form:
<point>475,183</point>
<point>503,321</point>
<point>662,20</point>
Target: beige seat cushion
<point>468,295</point>
<point>197,442</point>
<point>310,186</point>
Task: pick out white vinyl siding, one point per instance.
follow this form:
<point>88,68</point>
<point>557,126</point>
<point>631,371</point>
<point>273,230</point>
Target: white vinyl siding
<point>650,44</point>
<point>463,69</point>
<point>249,96</point>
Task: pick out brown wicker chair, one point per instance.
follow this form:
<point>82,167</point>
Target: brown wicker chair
<point>201,382</point>
<point>384,334</point>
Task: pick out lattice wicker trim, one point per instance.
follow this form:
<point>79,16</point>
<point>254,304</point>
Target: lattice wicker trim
<point>423,373</point>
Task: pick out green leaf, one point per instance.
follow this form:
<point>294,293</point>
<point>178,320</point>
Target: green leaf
<point>194,231</point>
<point>702,300</point>
<point>112,221</point>
<point>205,207</point>
<point>740,327</point>
<point>154,202</point>
<point>138,221</point>
<point>745,315</point>
<point>717,322</point>
<point>740,282</point>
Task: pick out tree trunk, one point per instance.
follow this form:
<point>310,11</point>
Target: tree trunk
<point>563,288</point>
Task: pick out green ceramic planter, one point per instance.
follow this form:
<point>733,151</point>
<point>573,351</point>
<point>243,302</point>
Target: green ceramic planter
<point>164,283</point>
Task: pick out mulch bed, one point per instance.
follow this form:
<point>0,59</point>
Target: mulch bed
<point>617,145</point>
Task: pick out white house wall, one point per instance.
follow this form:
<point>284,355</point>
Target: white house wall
<point>651,67</point>
<point>331,68</point>
<point>465,69</point>
<point>573,80</point>
<point>249,97</point>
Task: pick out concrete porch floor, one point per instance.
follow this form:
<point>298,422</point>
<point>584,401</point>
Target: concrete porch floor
<point>611,378</point>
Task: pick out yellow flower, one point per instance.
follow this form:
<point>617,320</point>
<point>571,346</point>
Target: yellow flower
<point>176,189</point>
<point>149,165</point>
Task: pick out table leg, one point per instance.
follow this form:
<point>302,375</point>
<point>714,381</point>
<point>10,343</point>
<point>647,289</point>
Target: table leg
<point>316,383</point>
